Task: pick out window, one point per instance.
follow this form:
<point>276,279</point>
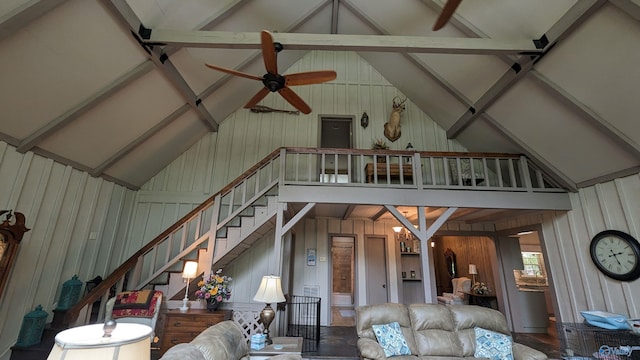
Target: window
<point>533,264</point>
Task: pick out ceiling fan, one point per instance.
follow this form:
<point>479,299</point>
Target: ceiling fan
<point>275,82</point>
<point>446,13</point>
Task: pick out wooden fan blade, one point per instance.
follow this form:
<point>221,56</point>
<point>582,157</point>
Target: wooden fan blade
<point>310,77</point>
<point>295,100</point>
<point>268,52</point>
<point>257,98</point>
<point>234,72</point>
<point>446,13</point>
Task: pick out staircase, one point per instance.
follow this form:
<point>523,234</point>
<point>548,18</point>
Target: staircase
<point>215,233</point>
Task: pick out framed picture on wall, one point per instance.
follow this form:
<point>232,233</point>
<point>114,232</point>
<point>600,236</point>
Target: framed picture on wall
<point>311,257</point>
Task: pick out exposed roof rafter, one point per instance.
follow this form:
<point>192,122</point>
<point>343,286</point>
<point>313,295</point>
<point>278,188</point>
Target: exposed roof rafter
<point>123,12</point>
<point>578,13</point>
<point>32,140</point>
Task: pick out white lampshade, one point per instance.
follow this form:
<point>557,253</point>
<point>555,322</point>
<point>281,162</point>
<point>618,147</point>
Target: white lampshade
<point>127,341</point>
<point>397,228</point>
<point>190,269</point>
<point>472,269</point>
<point>270,290</point>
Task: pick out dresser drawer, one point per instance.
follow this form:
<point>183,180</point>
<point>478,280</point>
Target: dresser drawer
<point>182,327</point>
<point>171,339</point>
<point>191,323</point>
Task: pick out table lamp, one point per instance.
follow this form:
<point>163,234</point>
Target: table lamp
<point>473,271</point>
<point>103,342</point>
<point>189,272</point>
<point>270,291</point>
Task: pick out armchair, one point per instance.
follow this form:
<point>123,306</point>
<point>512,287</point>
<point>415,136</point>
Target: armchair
<point>139,307</point>
<point>461,286</point>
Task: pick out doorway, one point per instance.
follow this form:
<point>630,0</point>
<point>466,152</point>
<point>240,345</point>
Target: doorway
<point>525,282</point>
<point>335,132</point>
<point>342,281</point>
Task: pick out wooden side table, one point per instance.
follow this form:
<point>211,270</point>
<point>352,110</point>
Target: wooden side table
<point>182,327</point>
<point>280,346</point>
<point>488,300</point>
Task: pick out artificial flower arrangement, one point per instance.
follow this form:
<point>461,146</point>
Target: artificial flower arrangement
<point>215,289</point>
<point>480,288</point>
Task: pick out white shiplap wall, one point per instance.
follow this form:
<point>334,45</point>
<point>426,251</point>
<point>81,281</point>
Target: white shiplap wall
<point>577,283</point>
<point>74,221</point>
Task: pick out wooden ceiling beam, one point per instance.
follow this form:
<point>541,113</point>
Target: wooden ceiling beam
<point>414,59</point>
<point>341,42</point>
<point>127,17</point>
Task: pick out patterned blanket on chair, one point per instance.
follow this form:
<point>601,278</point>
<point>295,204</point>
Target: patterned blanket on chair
<point>135,304</point>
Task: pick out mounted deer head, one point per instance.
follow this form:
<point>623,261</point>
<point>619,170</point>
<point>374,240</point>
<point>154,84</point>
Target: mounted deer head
<point>392,129</point>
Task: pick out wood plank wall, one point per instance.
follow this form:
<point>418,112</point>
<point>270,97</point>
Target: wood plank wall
<point>469,250</point>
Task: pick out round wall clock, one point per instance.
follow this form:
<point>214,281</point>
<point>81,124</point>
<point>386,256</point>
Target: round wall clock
<point>616,254</point>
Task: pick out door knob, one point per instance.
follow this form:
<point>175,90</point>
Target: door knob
<point>384,286</point>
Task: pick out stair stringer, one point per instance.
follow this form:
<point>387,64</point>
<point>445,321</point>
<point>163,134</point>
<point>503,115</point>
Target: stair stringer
<point>241,238</point>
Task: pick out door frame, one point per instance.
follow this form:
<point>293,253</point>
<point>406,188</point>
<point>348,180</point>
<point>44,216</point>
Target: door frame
<point>505,293</point>
<point>354,270</point>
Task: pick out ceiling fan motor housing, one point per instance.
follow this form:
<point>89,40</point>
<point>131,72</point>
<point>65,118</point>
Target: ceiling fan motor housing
<point>273,82</point>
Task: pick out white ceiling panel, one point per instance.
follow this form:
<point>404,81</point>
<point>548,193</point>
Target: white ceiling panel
<point>79,86</point>
<point>152,156</point>
<point>100,133</point>
<point>175,15</point>
<point>10,7</point>
<point>607,79</point>
<point>558,134</point>
<point>68,59</point>
<point>513,19</point>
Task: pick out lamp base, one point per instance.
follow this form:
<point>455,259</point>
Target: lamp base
<point>185,305</point>
<point>266,316</point>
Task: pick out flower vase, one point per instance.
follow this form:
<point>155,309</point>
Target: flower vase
<point>212,305</point>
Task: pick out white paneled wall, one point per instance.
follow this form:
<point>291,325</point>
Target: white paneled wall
<point>566,237</point>
<point>244,138</point>
<point>74,221</point>
<point>317,234</point>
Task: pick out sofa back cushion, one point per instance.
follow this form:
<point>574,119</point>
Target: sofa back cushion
<point>467,317</point>
<point>434,331</point>
<point>222,341</point>
<point>369,315</point>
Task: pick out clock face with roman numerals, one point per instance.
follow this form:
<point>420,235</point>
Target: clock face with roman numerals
<point>616,254</point>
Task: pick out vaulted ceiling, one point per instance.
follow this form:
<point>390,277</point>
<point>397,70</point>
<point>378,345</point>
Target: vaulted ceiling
<point>554,80</point>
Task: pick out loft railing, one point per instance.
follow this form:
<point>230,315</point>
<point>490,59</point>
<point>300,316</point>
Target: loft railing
<point>417,170</point>
<point>309,166</point>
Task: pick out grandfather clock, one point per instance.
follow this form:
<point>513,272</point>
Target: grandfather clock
<point>10,236</point>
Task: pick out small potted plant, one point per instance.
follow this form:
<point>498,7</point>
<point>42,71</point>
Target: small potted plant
<point>380,144</point>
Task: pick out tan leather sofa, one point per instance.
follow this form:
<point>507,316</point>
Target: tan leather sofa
<point>222,341</point>
<point>434,331</point>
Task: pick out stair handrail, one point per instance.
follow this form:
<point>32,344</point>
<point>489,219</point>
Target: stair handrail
<point>105,285</point>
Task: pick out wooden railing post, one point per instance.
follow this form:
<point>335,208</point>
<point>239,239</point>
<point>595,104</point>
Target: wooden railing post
<point>211,242</point>
<point>524,172</point>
